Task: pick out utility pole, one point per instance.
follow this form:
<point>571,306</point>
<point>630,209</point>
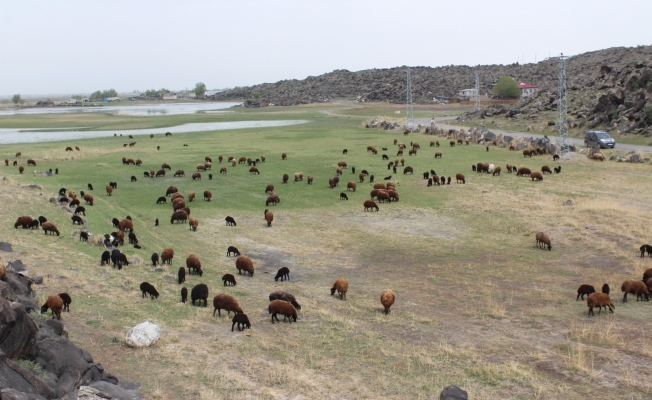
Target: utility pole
<point>477,90</point>
<point>562,106</point>
<point>409,113</point>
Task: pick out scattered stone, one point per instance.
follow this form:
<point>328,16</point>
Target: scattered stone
<point>143,335</point>
<point>13,394</point>
<point>22,333</point>
<point>53,200</point>
<point>568,203</point>
<point>6,247</point>
<point>116,391</point>
<point>38,279</point>
<point>158,270</point>
<point>17,266</point>
<point>35,187</point>
<point>635,158</point>
<point>453,392</point>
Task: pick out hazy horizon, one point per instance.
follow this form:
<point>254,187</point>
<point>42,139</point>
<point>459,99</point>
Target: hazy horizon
<point>79,47</point>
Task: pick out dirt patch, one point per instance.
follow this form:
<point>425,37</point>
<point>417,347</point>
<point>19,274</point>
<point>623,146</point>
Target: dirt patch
<point>412,222</point>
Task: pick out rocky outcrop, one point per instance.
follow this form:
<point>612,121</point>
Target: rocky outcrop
<point>143,335</point>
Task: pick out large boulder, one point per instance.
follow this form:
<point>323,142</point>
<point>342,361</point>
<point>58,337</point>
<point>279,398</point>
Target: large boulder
<point>20,341</point>
<point>143,335</point>
<point>13,394</point>
<point>17,266</point>
<point>7,319</point>
<point>453,392</point>
<point>4,246</point>
<point>20,379</point>
<point>116,391</point>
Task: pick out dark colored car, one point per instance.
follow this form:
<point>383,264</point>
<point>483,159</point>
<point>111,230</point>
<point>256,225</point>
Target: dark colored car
<point>599,138</point>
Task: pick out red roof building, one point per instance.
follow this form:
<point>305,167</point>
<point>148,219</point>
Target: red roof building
<point>527,89</point>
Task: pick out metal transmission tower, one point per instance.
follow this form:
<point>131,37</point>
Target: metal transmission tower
<point>409,113</point>
<point>562,106</point>
<point>477,90</point>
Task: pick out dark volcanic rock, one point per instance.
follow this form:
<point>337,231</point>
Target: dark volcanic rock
<point>6,247</point>
<point>19,378</point>
<point>17,266</point>
<point>20,341</point>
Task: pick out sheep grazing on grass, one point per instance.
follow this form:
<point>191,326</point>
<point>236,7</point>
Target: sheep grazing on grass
<point>54,303</point>
<point>179,216</point>
<point>156,222</point>
<point>527,153</point>
<point>23,222</point>
<point>166,166</point>
<point>536,176</point>
<point>230,221</point>
<point>207,195</point>
<point>459,178</point>
<point>226,303</point>
<point>545,169</point>
<point>241,320</point>
<point>116,259</point>
<point>244,263</point>
<point>184,294</point>
<point>408,170</point>
<point>133,178</point>
<point>147,288</point>
<point>167,255</point>
<point>79,209</point>
<point>114,185</point>
<point>343,196</point>
<point>176,195</point>
<point>285,296</point>
<point>584,290</point>
<point>282,274</point>
<point>269,217</point>
<point>522,171</point>
<point>380,185</point>
<point>438,154</point>
<point>34,224</point>
<point>76,220</point>
<point>161,200</point>
<point>361,176</point>
<point>338,171</point>
<point>282,307</point>
<point>132,238</point>
<point>181,275</point>
<point>154,259</point>
<point>105,259</point>
<point>229,279</point>
<point>509,168</point>
<point>285,178</point>
<point>331,183</point>
<point>21,169</point>
<point>634,287</point>
<point>351,185</point>
<point>67,300</point>
<point>646,248</point>
<point>254,170</point>
<point>269,188</point>
<point>369,205</point>
<point>83,236</point>
<point>201,167</point>
<point>605,288</point>
<point>50,227</point>
<point>193,224</point>
<point>599,300</point>
<point>179,173</point>
<point>496,171</point>
<point>232,250</point>
<point>160,172</point>
<point>126,225</point>
<point>272,199</point>
<point>387,298</point>
<point>89,199</point>
<point>196,176</point>
<point>198,293</point>
<point>194,265</point>
<point>543,240</point>
<point>342,286</point>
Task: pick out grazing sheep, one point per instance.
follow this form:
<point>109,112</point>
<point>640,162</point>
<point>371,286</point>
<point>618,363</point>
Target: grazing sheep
<point>634,287</point>
<point>536,176</point>
<point>543,240</point>
<point>342,286</point>
<point>207,195</point>
<point>369,205</point>
<point>338,171</point>
<point>230,221</point>
<point>273,199</point>
<point>132,238</point>
<point>527,153</point>
<point>262,159</point>
<point>126,225</point>
<point>646,248</point>
<point>282,273</point>
<point>76,220</point>
<point>116,258</point>
<point>233,163</point>
<point>269,217</point>
<point>179,216</point>
<point>139,162</point>
<point>31,162</point>
<point>54,303</point>
<point>167,255</point>
<point>198,293</point>
<point>343,196</point>
<point>230,279</point>
<point>269,188</point>
<point>201,167</point>
<point>226,303</point>
<point>194,265</point>
<point>351,185</point>
<point>584,290</point>
<point>42,219</point>
<point>156,222</point>
<point>438,154</point>
<point>193,224</point>
<point>310,179</point>
<point>244,263</point>
<point>557,170</point>
<point>408,170</point>
<point>23,222</point>
<point>282,307</point>
<point>452,143</point>
<point>605,288</point>
<point>545,169</point>
<point>154,259</point>
<point>74,203</point>
<point>83,236</point>
<point>179,172</point>
<point>161,200</point>
<point>105,258</point>
<point>21,169</point>
<point>509,168</point>
<point>284,156</point>
<point>196,176</point>
<point>160,172</point>
<point>67,300</point>
<point>285,178</point>
<point>599,300</point>
<point>178,204</point>
<point>459,178</point>
<point>147,288</point>
<point>114,185</point>
<point>387,298</point>
<point>254,170</point>
<point>232,249</point>
<point>176,195</point>
<point>50,227</point>
<point>181,275</point>
<point>285,296</point>
<point>496,171</point>
<point>241,320</point>
<point>522,171</point>
<point>166,166</point>
<point>133,178</point>
<point>331,182</point>
<point>184,294</point>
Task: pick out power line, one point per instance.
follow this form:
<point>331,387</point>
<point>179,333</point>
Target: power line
<point>562,106</point>
<point>477,90</point>
<point>409,113</point>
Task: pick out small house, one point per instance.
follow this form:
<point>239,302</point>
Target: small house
<point>169,96</point>
<point>467,93</point>
<point>527,89</point>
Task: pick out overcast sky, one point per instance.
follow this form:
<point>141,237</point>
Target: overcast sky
<point>82,46</point>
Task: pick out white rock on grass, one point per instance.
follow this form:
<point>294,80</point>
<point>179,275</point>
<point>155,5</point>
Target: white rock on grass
<point>143,335</point>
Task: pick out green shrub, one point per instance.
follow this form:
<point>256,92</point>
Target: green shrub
<point>507,87</point>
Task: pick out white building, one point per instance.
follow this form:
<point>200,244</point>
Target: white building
<point>527,89</point>
<point>169,96</point>
<point>467,93</point>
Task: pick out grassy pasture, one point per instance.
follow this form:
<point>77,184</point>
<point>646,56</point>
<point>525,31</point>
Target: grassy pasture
<point>478,305</point>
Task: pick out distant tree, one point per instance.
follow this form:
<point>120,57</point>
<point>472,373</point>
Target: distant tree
<point>163,91</point>
<point>16,99</point>
<point>100,95</point>
<point>200,89</point>
<point>78,97</point>
<point>256,95</point>
<point>507,87</point>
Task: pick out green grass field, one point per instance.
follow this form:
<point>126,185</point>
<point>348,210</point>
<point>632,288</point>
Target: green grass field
<point>478,304</point>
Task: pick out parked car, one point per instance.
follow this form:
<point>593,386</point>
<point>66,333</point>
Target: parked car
<point>599,138</point>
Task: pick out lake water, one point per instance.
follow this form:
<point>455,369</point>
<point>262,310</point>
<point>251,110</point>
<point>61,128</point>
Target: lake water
<point>137,110</point>
<point>13,135</point>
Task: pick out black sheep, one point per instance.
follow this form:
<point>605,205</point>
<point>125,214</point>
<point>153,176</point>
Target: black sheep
<point>155,259</point>
<point>343,196</point>
<point>106,258</point>
<point>123,259</point>
<point>132,238</point>
<point>230,279</point>
<point>83,236</point>
<point>353,170</point>
<point>80,210</point>
<point>449,180</point>
<point>241,319</point>
<point>161,200</point>
<point>646,248</point>
<point>133,178</point>
<point>394,168</point>
<point>62,191</point>
<point>584,290</point>
<point>345,151</point>
<point>77,220</point>
<point>184,295</point>
<point>234,250</point>
<point>115,258</point>
<point>115,222</point>
<point>42,219</point>
<point>199,292</point>
<point>90,187</point>
<point>429,181</point>
<point>230,221</point>
<point>181,275</point>
<point>34,224</point>
<point>128,217</point>
<point>283,273</point>
<point>148,288</point>
<point>156,222</point>
<point>605,288</point>
<point>371,179</point>
<point>443,180</point>
<point>74,203</point>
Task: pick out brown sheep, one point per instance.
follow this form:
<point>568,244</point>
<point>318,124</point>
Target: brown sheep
<point>383,196</point>
<point>387,298</point>
<point>254,170</point>
<point>3,272</point>
<point>634,287</point>
<point>379,185</point>
<point>374,193</point>
<point>598,157</point>
<point>89,199</point>
<point>647,274</point>
<point>331,182</point>
<point>208,165</point>
<point>284,156</point>
<point>282,307</point>
<point>160,172</point>
<point>399,152</point>
<point>543,240</point>
<point>244,263</point>
<point>50,227</point>
<point>179,216</point>
<point>460,141</point>
<point>361,176</point>
<point>460,177</point>
<point>393,195</point>
<point>223,170</point>
<point>338,171</point>
<point>522,171</point>
<point>194,265</point>
<point>23,222</point>
<point>18,154</point>
<point>152,173</point>
<point>179,172</point>
<point>226,303</point>
<point>126,225</point>
<point>413,151</point>
<point>109,190</point>
<point>285,178</point>
<point>191,197</point>
<point>545,169</point>
<point>72,194</point>
<point>452,143</point>
<point>220,158</point>
<point>166,166</point>
<point>496,171</point>
<point>370,205</point>
<point>432,143</point>
<point>31,162</point>
<point>402,162</point>
<point>285,296</point>
<point>509,168</point>
<point>342,164</point>
<point>273,199</point>
<point>310,179</point>
<point>200,167</point>
<point>139,162</point>
<point>269,217</point>
<point>55,304</point>
<point>408,170</point>
<point>167,255</point>
<point>342,286</point>
<point>536,176</point>
<point>438,154</point>
<point>527,153</point>
<point>233,163</point>
<point>21,169</point>
<point>193,224</point>
<point>599,300</point>
<point>269,188</point>
<point>176,195</point>
<point>351,185</point>
<point>196,176</point>
<point>207,195</point>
